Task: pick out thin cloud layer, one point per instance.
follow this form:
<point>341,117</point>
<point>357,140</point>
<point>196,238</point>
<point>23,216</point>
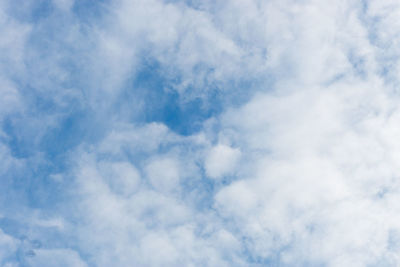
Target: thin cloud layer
<point>199,133</point>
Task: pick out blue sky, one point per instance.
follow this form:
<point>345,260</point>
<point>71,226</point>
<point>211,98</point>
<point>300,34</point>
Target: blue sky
<point>199,133</point>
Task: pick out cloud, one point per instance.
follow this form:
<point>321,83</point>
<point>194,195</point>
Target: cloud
<point>56,257</point>
<point>123,177</point>
<point>8,247</point>
<point>221,161</point>
<point>163,174</point>
<point>199,133</point>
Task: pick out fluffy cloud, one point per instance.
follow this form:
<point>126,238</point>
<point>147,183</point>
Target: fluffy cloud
<point>199,133</point>
<point>221,160</point>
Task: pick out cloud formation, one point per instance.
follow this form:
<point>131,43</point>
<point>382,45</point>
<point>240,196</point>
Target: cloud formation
<point>199,133</point>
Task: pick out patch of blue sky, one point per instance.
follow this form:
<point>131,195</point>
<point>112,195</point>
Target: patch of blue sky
<point>151,95</point>
<point>153,90</point>
<point>30,11</point>
<point>359,64</point>
<point>90,10</point>
<point>36,11</point>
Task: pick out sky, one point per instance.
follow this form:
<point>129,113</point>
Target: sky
<point>199,133</point>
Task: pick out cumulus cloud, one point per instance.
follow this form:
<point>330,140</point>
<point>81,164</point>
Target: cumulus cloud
<point>163,174</point>
<point>199,133</point>
<point>221,160</point>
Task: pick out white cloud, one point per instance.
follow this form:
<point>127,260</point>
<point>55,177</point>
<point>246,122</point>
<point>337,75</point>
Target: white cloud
<point>8,247</point>
<point>316,183</point>
<point>122,177</point>
<point>163,174</point>
<point>314,151</point>
<point>221,161</point>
